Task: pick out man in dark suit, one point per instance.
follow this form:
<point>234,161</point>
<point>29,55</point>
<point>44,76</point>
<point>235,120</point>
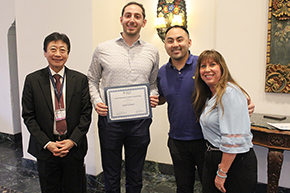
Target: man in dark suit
<point>58,115</point>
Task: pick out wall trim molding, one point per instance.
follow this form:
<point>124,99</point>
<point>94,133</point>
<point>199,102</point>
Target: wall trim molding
<point>9,137</point>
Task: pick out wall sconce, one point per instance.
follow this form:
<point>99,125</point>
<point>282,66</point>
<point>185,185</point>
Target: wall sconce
<point>170,13</point>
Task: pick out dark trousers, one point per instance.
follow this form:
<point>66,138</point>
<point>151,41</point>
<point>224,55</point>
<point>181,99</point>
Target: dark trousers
<point>134,137</point>
<point>186,156</point>
<point>62,175</point>
<point>242,175</point>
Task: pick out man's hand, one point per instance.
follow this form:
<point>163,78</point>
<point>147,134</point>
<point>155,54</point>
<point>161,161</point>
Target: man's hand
<point>54,147</point>
<point>251,106</point>
<point>154,100</point>
<point>162,100</point>
<point>65,145</point>
<point>60,148</point>
<point>101,109</point>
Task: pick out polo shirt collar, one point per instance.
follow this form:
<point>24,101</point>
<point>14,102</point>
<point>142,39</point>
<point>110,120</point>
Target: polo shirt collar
<point>188,61</point>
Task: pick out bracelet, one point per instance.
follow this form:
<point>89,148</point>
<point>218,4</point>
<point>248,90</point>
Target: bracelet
<point>221,170</point>
<point>217,173</point>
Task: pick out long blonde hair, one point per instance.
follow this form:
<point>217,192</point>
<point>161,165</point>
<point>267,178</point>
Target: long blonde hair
<point>202,91</point>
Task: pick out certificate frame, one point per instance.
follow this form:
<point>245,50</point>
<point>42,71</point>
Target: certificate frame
<point>128,103</point>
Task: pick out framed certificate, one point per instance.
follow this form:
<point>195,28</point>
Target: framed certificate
<point>127,103</point>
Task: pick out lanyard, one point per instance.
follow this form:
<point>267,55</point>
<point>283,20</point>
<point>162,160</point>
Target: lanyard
<point>58,95</point>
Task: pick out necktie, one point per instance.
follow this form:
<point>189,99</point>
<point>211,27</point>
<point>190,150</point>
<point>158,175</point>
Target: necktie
<point>60,124</point>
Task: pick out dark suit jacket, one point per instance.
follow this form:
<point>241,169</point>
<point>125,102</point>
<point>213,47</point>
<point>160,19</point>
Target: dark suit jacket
<point>38,112</point>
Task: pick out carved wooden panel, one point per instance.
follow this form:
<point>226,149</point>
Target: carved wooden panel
<point>278,47</point>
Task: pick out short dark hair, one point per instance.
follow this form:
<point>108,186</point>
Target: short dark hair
<point>177,26</point>
<point>134,3</point>
<point>55,36</point>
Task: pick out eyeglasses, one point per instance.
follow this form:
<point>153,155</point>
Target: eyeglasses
<point>62,50</point>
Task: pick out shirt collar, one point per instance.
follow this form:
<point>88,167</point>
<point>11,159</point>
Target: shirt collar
<point>120,38</point>
<point>61,72</point>
<point>188,61</point>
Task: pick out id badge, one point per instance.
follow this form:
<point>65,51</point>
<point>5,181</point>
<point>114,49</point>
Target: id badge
<point>60,114</point>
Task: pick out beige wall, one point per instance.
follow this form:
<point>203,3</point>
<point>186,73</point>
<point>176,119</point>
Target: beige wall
<point>237,29</point>
<point>34,21</point>
<point>107,26</point>
<point>7,18</point>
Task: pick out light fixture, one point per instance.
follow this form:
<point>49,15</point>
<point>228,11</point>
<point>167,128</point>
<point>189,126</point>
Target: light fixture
<point>177,20</point>
<point>160,22</point>
<point>170,13</point>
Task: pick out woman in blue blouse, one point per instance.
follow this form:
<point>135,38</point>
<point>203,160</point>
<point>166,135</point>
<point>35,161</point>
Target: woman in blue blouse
<point>221,106</point>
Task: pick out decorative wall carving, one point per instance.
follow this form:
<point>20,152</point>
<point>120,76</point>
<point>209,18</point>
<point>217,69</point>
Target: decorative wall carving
<point>278,47</point>
<point>168,9</point>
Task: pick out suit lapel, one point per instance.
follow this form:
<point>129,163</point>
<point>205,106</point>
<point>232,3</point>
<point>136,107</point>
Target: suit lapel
<point>70,86</point>
<point>45,87</point>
